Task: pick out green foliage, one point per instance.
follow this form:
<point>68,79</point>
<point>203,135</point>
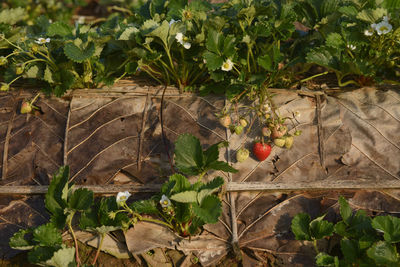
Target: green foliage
<point>192,160</point>
<point>358,236</point>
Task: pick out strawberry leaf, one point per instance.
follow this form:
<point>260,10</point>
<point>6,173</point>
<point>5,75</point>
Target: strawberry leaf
<point>323,259</point>
<point>47,235</point>
<point>320,228</point>
<point>345,210</point>
<point>81,199</point>
<point>185,197</point>
<point>78,54</point>
<point>301,226</point>
<point>390,226</point>
<point>18,241</point>
<point>59,28</point>
<point>209,210</point>
<point>188,154</point>
<point>62,257</point>
<point>383,253</point>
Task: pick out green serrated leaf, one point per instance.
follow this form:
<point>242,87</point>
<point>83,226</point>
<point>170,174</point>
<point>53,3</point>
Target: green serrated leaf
<point>76,54</point>
<point>215,42</point>
<point>53,199</point>
<point>209,188</point>
<point>89,219</point>
<point>320,228</point>
<point>180,183</point>
<point>390,226</point>
<point>221,166</point>
<point>64,257</point>
<point>213,61</point>
<point>335,40</point>
<point>59,28</point>
<point>162,32</point>
<point>371,15</point>
<point>127,33</point>
<point>32,72</point>
<point>188,154</point>
<point>147,206</point>
<point>212,153</point>
<point>48,75</point>
<point>323,259</point>
<point>383,253</point>
<point>209,210</point>
<point>349,249</point>
<point>47,235</point>
<point>185,197</point>
<point>18,241</point>
<point>229,46</point>
<point>301,226</point>
<point>12,16</point>
<point>266,62</point>
<point>81,199</point>
<point>41,254</point>
<point>345,210</point>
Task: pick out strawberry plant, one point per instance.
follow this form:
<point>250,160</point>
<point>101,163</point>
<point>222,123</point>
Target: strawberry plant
<point>181,206</point>
<point>361,240</point>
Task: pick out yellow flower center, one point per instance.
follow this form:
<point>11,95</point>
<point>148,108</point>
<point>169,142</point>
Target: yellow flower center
<point>165,202</point>
<point>226,65</point>
<point>123,198</point>
<point>383,28</point>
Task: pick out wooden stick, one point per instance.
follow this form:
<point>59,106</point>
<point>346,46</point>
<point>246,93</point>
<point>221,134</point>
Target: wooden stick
<point>230,187</point>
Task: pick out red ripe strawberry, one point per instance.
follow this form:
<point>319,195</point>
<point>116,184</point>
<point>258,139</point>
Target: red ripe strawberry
<point>261,151</point>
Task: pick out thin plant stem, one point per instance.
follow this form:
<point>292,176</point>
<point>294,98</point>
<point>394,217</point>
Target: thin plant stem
<point>314,76</point>
<point>102,235</point>
<point>77,259</point>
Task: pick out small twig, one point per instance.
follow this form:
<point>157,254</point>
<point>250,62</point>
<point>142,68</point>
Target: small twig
<point>65,157</point>
<point>7,141</point>
<point>235,239</point>
<point>162,130</point>
<point>98,248</point>
<point>320,133</point>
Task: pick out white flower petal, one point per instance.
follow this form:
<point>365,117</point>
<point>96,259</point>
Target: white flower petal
<point>187,45</point>
<point>369,32</point>
<point>383,27</point>
<point>123,197</point>
<point>227,65</point>
<point>165,202</point>
<point>179,37</point>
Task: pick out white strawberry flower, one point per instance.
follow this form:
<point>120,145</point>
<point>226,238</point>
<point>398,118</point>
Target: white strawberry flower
<point>369,32</point>
<point>172,21</point>
<point>227,65</point>
<point>165,201</point>
<point>183,40</point>
<point>122,197</point>
<point>383,27</point>
<point>42,40</point>
<point>386,18</point>
<point>351,47</point>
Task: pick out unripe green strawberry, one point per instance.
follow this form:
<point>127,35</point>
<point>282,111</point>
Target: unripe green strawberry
<point>19,70</point>
<point>297,133</point>
<point>239,129</point>
<point>242,154</point>
<point>225,121</point>
<point>3,61</point>
<point>26,107</point>
<point>289,141</point>
<point>279,142</point>
<point>4,87</point>
<point>243,122</point>
<point>35,48</point>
